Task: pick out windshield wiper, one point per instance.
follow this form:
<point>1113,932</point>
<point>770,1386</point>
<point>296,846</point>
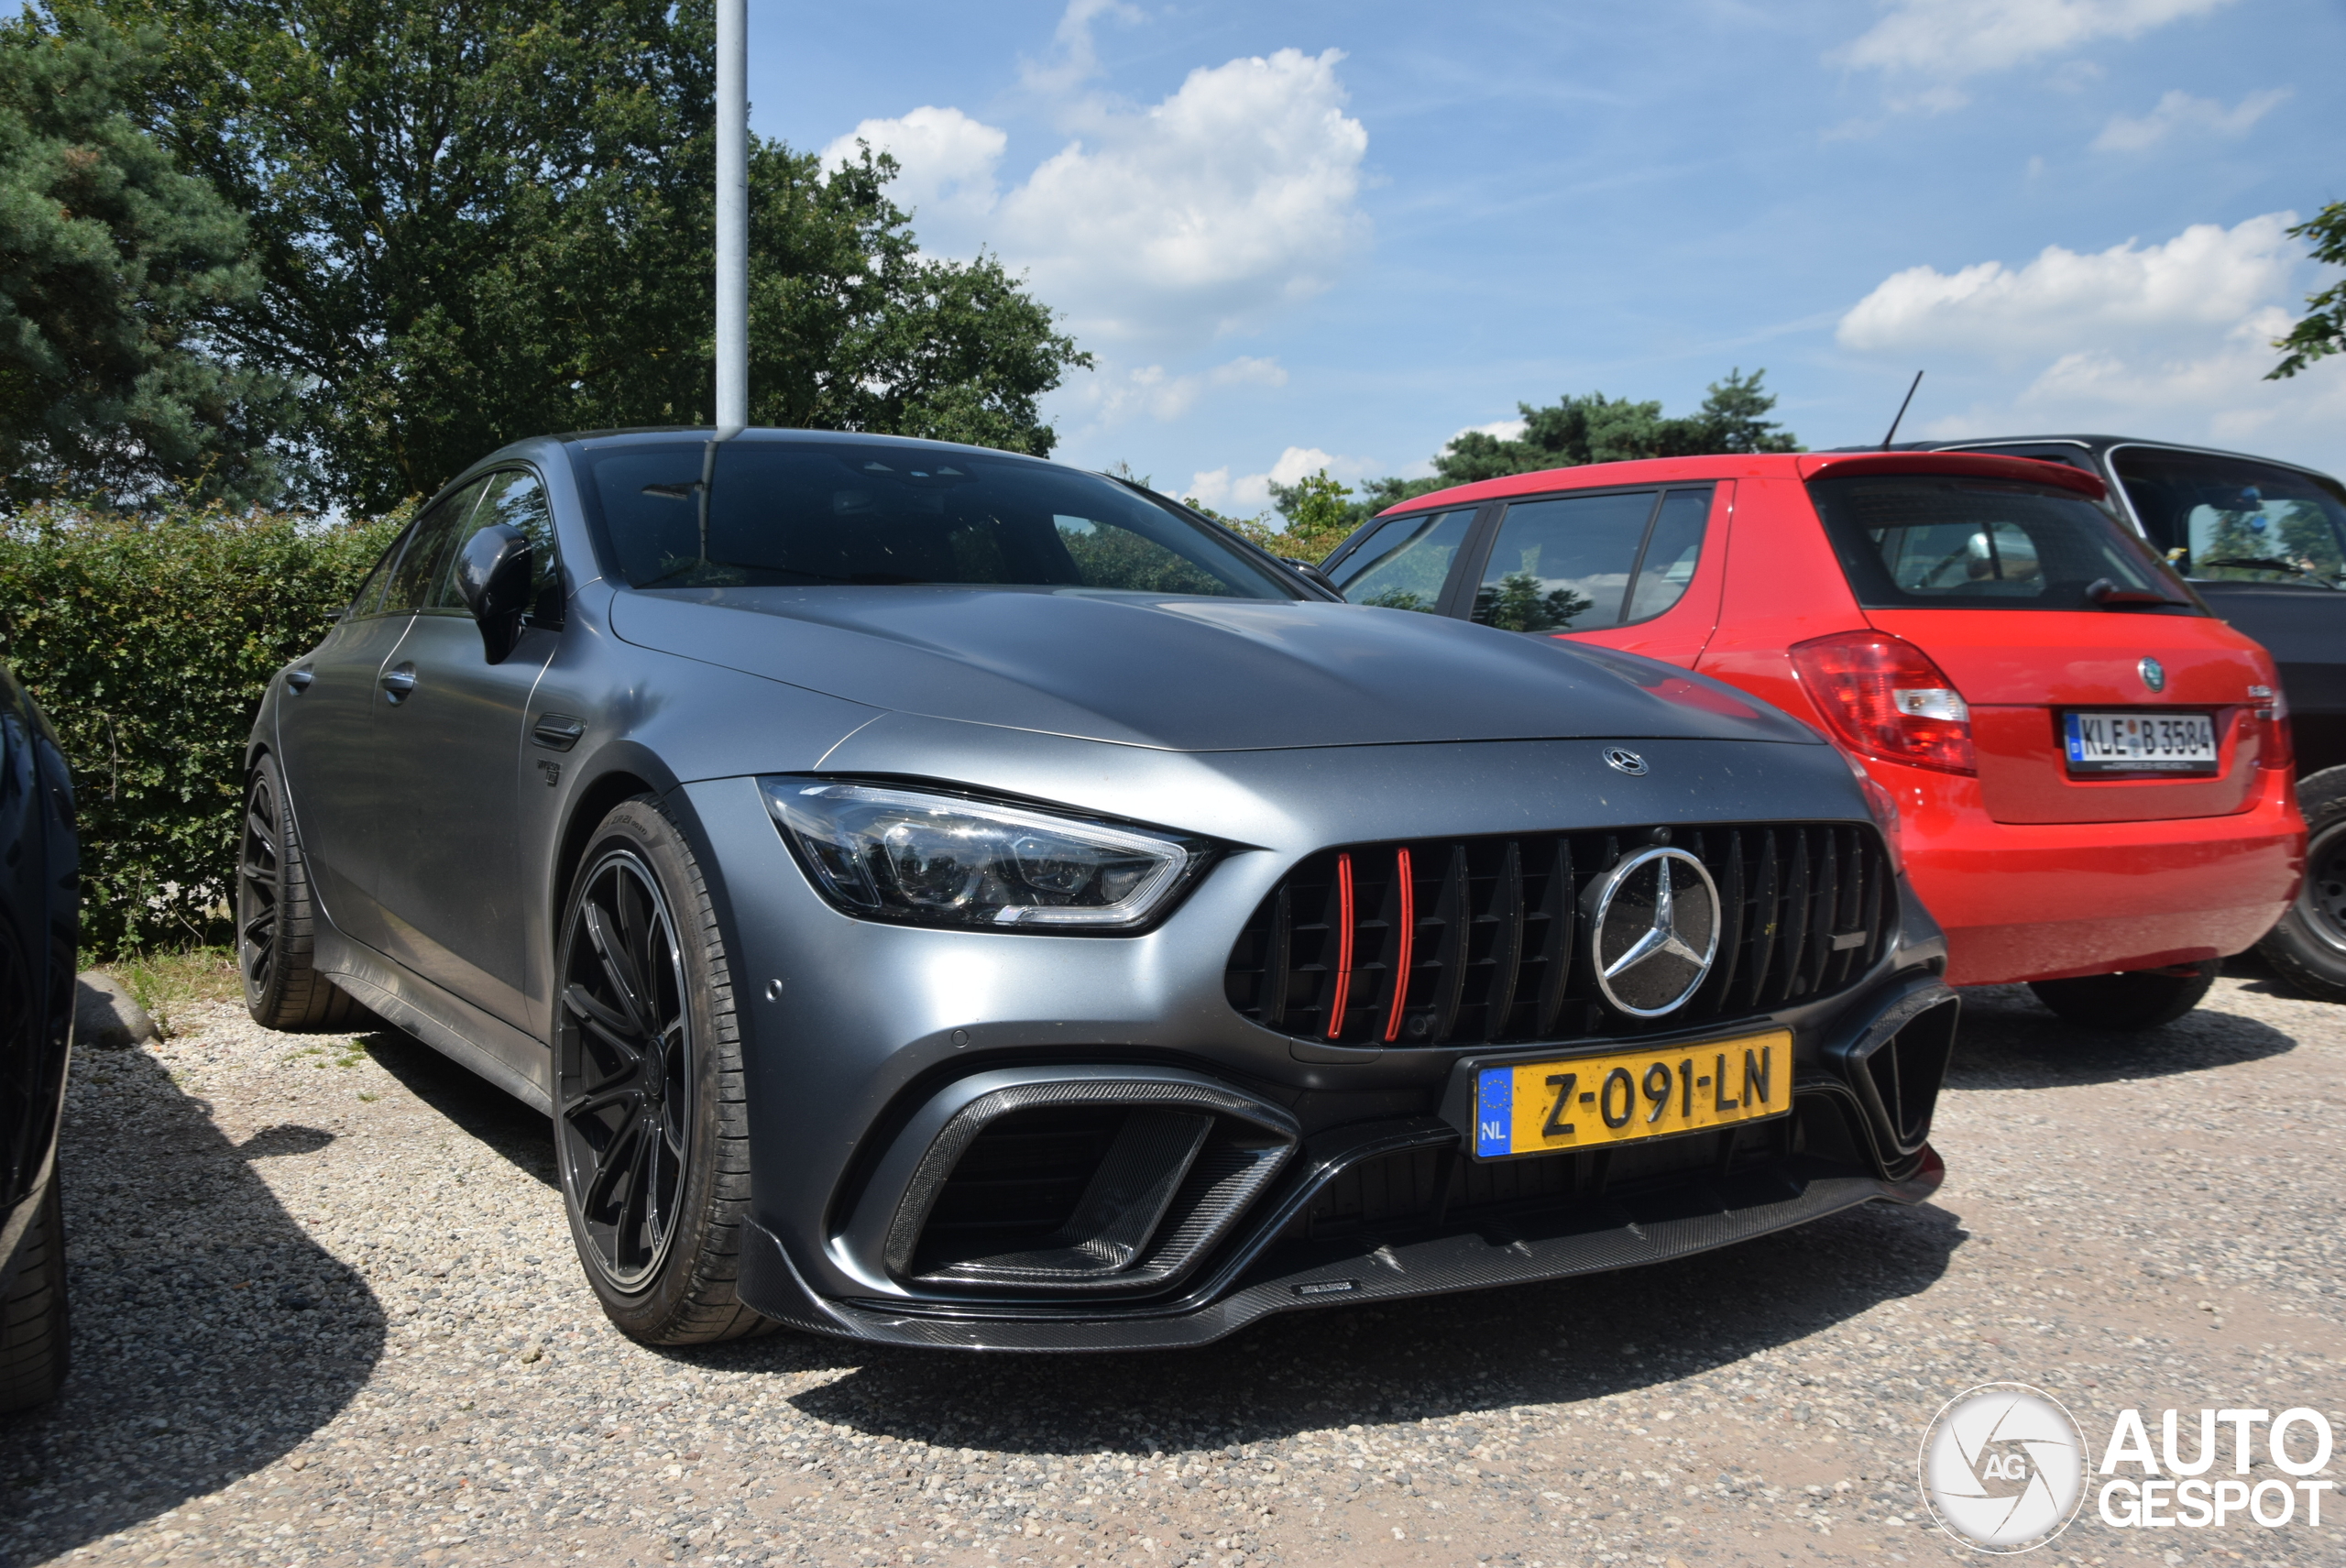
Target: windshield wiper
<point>2266,564</point>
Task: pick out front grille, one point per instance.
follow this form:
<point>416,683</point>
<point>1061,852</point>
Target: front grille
<point>1469,941</point>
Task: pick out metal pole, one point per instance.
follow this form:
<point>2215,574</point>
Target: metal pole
<point>732,215</point>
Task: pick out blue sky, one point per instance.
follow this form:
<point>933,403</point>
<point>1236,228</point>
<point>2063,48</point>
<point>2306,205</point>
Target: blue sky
<point>1318,233</point>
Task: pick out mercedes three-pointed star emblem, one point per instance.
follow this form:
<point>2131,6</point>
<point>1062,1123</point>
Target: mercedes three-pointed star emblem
<point>1653,925</point>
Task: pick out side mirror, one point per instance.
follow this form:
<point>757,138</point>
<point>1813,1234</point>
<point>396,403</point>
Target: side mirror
<point>493,574</point>
<point>1310,573</point>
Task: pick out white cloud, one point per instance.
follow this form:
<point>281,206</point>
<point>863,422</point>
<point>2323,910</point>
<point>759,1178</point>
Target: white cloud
<point>1233,196</point>
<point>2206,279</point>
<point>1951,38</point>
<point>1078,56</point>
<point>2180,112</point>
<point>2170,341</point>
<point>1116,393</point>
<point>1498,429</point>
<point>1251,492</point>
<point>948,161</point>
<point>1197,215</point>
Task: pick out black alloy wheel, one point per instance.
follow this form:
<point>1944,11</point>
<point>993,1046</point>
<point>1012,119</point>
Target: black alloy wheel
<point>277,918</point>
<point>650,1114</point>
<point>626,1070</point>
<point>2307,948</point>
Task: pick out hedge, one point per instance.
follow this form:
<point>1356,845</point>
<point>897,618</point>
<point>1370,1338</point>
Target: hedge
<point>150,640</point>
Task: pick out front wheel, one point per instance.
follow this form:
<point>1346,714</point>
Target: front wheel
<point>2307,948</point>
<point>277,918</point>
<point>651,1124</point>
<point>34,1343</point>
<point>2141,999</point>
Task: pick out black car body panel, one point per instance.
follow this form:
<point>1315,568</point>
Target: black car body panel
<point>1265,730</point>
<point>40,913</point>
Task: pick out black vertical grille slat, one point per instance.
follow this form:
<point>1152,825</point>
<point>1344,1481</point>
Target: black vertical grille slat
<point>1494,950</point>
<point>1557,907</point>
<point>1766,918</point>
<point>1506,918</point>
<point>1446,952</point>
<point>1276,947</point>
<point>1792,920</point>
<point>1724,855</point>
<point>1825,903</point>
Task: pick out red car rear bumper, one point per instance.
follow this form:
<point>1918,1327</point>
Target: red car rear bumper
<point>2044,901</point>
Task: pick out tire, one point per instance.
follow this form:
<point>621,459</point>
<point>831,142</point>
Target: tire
<point>651,1116</point>
<point>2307,948</point>
<point>277,918</point>
<point>34,1343</point>
<point>2141,999</point>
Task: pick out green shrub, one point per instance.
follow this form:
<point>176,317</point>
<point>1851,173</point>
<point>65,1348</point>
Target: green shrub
<point>149,641</point>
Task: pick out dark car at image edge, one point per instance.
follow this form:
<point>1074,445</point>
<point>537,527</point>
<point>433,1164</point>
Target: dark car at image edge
<point>39,926</point>
<point>948,899</point>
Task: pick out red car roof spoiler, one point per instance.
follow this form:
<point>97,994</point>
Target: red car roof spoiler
<point>1960,464</point>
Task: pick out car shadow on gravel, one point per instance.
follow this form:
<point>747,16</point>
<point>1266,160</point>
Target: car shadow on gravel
<point>211,1334</point>
<point>499,1123</point>
<point>1460,1355</point>
<point>2010,1040</point>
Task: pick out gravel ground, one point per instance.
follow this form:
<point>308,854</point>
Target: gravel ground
<point>327,1311</point>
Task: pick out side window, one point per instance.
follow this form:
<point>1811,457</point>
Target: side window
<point>369,600</point>
<point>430,547</point>
<point>1403,564</point>
<point>1564,564</point>
<point>515,496</point>
<point>1671,551</point>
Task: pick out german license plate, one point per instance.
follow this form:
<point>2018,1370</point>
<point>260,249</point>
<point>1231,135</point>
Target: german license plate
<point>1622,1096</point>
<point>2140,743</point>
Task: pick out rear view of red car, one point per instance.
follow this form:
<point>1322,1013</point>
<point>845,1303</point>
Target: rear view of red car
<point>2091,772</point>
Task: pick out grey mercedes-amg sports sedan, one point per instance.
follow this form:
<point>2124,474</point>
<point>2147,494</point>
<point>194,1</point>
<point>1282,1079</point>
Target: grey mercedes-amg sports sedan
<point>946,898</point>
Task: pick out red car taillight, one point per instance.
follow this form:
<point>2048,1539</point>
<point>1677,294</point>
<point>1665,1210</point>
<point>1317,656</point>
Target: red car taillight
<point>2275,747</point>
<point>1883,698</point>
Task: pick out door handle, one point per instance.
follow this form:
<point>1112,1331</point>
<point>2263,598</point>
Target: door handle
<point>398,683</point>
<point>299,680</point>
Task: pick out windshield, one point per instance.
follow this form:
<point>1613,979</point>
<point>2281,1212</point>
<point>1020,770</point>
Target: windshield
<point>2233,519</point>
<point>852,513</point>
<point>1917,541</point>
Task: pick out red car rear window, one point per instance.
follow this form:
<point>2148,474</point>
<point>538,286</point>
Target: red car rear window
<point>1923,542</point>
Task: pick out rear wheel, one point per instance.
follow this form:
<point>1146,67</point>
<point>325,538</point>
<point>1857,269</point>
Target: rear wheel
<point>2140,999</point>
<point>650,1119</point>
<point>34,1345</point>
<point>277,916</point>
<point>2307,949</point>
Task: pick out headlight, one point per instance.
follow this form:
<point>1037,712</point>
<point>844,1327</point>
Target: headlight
<point>901,854</point>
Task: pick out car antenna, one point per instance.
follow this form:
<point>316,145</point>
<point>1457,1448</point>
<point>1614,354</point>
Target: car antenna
<point>1902,412</point>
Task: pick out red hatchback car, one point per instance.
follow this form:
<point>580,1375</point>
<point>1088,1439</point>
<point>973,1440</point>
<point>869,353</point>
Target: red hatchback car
<point>2090,772</point>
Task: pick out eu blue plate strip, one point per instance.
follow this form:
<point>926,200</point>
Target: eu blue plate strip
<point>1495,1112</point>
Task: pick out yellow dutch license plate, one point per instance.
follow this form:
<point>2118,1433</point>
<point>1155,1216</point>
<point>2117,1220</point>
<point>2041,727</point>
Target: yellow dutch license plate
<point>1623,1096</point>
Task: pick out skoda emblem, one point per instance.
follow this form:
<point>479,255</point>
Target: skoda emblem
<point>1629,763</point>
<point>2154,673</point>
<point>1653,923</point>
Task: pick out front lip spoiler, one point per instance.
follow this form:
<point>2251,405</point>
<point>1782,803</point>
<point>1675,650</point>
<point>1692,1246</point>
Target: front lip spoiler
<point>1620,1235</point>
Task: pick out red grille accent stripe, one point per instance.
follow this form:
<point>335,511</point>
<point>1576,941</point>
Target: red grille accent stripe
<point>1407,935</point>
<point>1344,945</point>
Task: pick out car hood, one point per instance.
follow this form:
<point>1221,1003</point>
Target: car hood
<point>1188,674</point>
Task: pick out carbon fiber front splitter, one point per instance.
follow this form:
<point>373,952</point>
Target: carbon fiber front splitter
<point>1612,1235</point>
